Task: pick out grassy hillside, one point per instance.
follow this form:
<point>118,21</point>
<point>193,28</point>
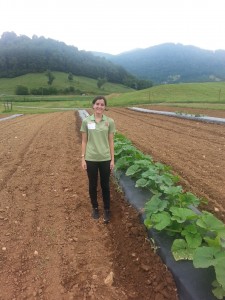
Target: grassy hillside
<point>85,85</point>
<point>176,93</point>
<point>199,95</point>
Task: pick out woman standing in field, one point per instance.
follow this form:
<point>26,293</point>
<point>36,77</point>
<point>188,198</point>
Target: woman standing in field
<point>98,154</point>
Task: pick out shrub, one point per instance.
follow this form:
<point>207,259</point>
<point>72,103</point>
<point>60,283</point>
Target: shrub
<point>21,90</point>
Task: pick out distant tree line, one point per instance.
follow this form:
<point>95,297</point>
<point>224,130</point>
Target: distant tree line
<point>24,90</point>
<point>20,55</point>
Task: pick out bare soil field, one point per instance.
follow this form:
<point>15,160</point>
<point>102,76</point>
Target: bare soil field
<point>50,247</point>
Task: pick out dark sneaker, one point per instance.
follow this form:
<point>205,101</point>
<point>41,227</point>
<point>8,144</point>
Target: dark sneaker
<point>106,216</point>
<point>95,213</point>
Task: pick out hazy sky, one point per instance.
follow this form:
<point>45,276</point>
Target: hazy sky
<point>115,26</point>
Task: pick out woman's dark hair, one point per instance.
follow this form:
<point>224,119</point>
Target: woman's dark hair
<point>98,98</point>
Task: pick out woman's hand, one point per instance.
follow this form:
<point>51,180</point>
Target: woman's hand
<point>112,165</point>
<point>84,164</point>
<point>83,150</point>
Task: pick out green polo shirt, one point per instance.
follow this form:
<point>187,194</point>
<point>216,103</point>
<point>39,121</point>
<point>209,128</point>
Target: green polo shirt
<point>97,134</point>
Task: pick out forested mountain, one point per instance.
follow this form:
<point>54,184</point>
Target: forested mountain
<point>173,63</point>
<point>140,68</point>
<point>20,55</point>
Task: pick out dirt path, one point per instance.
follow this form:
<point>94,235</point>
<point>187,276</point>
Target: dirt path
<point>195,150</point>
<point>50,248</point>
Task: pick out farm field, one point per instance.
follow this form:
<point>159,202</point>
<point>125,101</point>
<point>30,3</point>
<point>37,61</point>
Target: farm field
<point>50,247</point>
<point>195,150</point>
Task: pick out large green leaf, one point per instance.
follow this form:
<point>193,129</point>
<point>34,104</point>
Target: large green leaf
<point>150,173</point>
<point>123,163</point>
<point>190,228</point>
<point>181,250</point>
<point>159,179</point>
<point>212,241</point>
<point>145,163</point>
<point>205,257</point>
<point>193,240</point>
<point>181,215</point>
<point>189,199</point>
<point>218,291</point>
<point>167,179</point>
<point>133,170</point>
<point>155,205</point>
<point>172,193</point>
<point>221,236</point>
<point>209,222</point>
<point>192,236</point>
<point>141,183</point>
<point>220,268</point>
<point>161,220</point>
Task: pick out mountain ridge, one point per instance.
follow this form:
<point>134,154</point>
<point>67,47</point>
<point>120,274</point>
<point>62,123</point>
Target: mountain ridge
<point>138,68</point>
<point>172,63</point>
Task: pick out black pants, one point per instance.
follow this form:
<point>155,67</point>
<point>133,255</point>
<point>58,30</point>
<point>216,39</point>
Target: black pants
<point>103,168</point>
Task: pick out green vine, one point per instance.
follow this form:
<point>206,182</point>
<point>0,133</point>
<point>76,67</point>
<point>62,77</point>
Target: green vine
<point>199,237</point>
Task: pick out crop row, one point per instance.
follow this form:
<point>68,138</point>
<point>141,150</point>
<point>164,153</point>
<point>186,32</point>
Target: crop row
<point>199,237</point>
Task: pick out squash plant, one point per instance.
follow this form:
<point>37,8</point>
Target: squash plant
<point>199,237</point>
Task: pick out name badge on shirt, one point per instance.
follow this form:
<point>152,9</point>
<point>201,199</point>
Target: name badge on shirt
<point>91,125</point>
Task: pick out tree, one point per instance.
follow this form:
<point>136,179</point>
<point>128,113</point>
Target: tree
<point>21,90</point>
<point>101,82</point>
<point>70,76</point>
<point>144,84</point>
<point>50,77</point>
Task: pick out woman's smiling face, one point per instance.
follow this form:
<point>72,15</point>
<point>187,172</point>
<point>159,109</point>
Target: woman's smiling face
<point>99,106</point>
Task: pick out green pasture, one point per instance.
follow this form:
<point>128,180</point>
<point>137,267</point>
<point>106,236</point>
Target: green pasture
<point>176,93</point>
<point>36,80</point>
<point>44,106</point>
<point>198,95</point>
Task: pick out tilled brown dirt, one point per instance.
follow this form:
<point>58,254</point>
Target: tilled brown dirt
<point>50,247</point>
